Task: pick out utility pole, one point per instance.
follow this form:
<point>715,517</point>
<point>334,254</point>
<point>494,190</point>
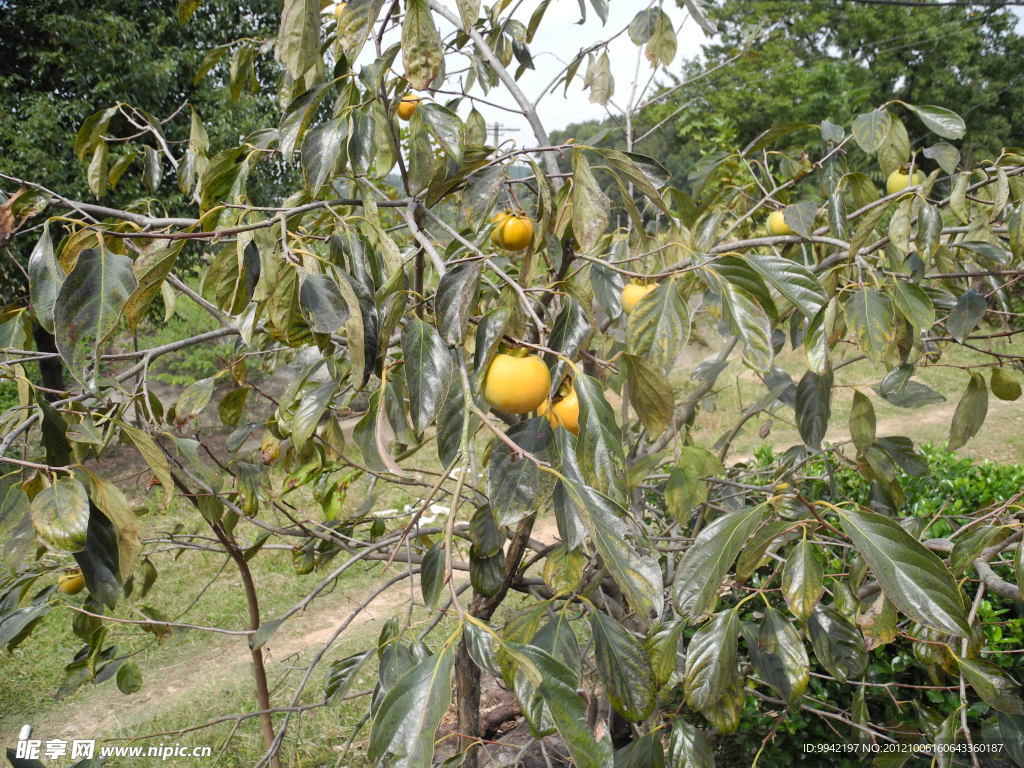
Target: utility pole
<point>497,129</point>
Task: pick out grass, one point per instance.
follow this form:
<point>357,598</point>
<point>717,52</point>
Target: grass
<point>213,595</point>
<point>1000,439</point>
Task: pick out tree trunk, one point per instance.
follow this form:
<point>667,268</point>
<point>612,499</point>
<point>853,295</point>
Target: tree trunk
<point>467,673</point>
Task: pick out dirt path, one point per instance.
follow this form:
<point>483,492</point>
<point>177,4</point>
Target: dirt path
<point>104,712</point>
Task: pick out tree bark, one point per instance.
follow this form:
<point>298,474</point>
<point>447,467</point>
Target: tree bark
<point>259,671</point>
<point>467,673</point>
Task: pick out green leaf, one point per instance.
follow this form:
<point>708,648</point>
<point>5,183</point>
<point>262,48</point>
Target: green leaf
<point>599,452</point>
<point>757,547</point>
<point>45,276</point>
<point>232,405</point>
<point>599,78</point>
<point>355,25</point>
<point>779,655</point>
<point>563,569</point>
<point>449,423</point>
<point>18,624</point>
<point>1018,569</point>
<point>929,232</point>
<point>151,268</point>
<point>482,190</point>
<point>646,174</point>
<point>623,667</point>
<point>298,40</point>
<point>60,514</point>
<point>792,279</point>
<point>570,332</point>
<point>748,321</point>
<point>516,487</point>
<point>899,226</point>
<point>432,574</point>
<point>800,218</point>
<point>489,333</point>
<point>878,623</point>
<point>321,152</point>
<point>913,394</point>
<point>946,155</point>
<point>837,644</point>
<point>621,543</point>
<point>711,660</point>
<point>688,747</point>
<point>869,314</point>
<point>992,685</point>
<point>469,11</point>
<point>193,399</point>
<point>862,421</point>
<point>662,646</point>
<point>895,149</point>
<point>590,205</point>
<point>93,129</point>
<point>871,128</point>
<point>96,173</point>
<point>557,685</point>
<point>297,117</point>
<point>321,303</point>
<point>970,308</point>
<point>659,326</point>
<point>342,673</point>
<point>913,578</point>
<point>310,410</point>
<point>641,28</point>
<point>701,570</point>
<point>129,678</point>
<point>663,46</point>
<point>446,128</point>
<point>455,300</point>
<point>803,580</point>
<point>650,394</point>
<point>421,46</point>
<point>969,416</point>
<point>405,724</point>
<point>88,306</point>
<point>428,371</point>
<point>154,458</point>
<point>915,305</point>
<point>941,121</point>
<point>420,155</point>
<point>152,169</point>
<point>373,434</point>
<point>813,407</point>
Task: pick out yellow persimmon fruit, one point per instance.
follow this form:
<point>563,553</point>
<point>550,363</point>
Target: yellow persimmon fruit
<point>407,106</point>
<point>900,179</point>
<point>516,384</point>
<point>632,293</point>
<point>777,224</point>
<point>514,232</point>
<point>563,413</point>
<point>498,220</point>
<point>71,583</point>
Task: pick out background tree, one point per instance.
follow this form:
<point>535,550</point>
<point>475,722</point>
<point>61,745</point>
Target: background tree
<point>61,61</point>
<point>796,61</point>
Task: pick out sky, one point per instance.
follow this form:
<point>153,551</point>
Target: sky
<point>559,37</point>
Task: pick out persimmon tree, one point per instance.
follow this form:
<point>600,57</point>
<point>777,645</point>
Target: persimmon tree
<point>688,589</point>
